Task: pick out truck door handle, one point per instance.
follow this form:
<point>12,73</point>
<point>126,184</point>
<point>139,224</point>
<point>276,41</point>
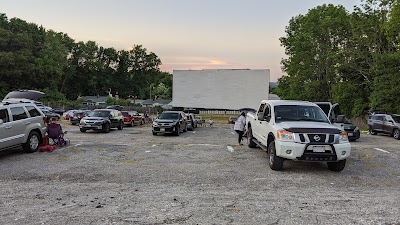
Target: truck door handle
<point>8,127</point>
<point>27,123</point>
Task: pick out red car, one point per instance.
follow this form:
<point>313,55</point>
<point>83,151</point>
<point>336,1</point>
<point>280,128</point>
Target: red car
<point>132,117</point>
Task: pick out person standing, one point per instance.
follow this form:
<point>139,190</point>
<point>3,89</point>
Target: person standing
<point>239,126</point>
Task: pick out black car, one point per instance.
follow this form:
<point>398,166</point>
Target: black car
<point>77,116</point>
<point>173,122</point>
<point>102,119</point>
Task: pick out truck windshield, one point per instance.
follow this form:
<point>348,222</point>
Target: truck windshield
<point>299,113</point>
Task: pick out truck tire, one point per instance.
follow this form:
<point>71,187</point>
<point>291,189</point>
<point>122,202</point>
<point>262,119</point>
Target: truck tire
<point>32,143</point>
<point>250,141</point>
<point>275,162</point>
<point>337,166</point>
<point>396,134</point>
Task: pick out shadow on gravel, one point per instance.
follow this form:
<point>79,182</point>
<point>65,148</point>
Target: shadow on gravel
<point>11,152</point>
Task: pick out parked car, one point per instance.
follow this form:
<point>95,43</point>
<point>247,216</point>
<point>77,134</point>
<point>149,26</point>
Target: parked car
<point>78,115</point>
<point>232,120</point>
<point>332,111</point>
<point>49,113</point>
<point>21,124</point>
<point>385,123</point>
<point>102,119</point>
<point>173,122</point>
<point>68,114</point>
<point>59,111</point>
<point>191,121</point>
<point>132,117</point>
<point>117,107</point>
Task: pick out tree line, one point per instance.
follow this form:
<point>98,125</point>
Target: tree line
<point>348,58</point>
<point>32,57</point>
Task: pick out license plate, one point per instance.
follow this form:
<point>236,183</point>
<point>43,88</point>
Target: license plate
<point>318,148</point>
<point>162,129</point>
<point>349,134</point>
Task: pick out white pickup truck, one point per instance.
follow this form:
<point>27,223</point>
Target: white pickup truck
<point>297,130</point>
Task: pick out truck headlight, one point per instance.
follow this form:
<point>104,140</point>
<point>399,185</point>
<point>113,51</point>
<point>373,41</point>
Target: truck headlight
<point>343,138</point>
<point>284,135</point>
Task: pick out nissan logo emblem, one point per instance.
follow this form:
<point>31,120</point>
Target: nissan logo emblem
<point>317,138</point>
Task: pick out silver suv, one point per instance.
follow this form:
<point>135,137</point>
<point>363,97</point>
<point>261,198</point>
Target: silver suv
<point>21,124</point>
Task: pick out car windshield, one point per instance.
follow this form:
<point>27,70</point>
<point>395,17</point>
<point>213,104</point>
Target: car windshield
<point>299,113</point>
<point>99,114</point>
<point>169,116</point>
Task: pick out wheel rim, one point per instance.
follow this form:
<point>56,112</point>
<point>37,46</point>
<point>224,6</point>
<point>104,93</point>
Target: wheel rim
<point>34,142</point>
<point>396,134</point>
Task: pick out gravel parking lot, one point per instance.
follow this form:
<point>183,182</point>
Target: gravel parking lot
<point>200,177</point>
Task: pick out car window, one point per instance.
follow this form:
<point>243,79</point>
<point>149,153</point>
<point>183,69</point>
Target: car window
<point>4,115</point>
<point>396,118</point>
<point>125,114</point>
<point>33,111</point>
<point>377,118</point>
<point>261,109</point>
<point>18,113</point>
<point>99,114</point>
<point>173,116</point>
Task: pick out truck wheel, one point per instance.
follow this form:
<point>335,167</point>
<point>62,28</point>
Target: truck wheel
<point>396,134</point>
<point>106,128</point>
<point>250,141</point>
<point>154,133</point>
<point>337,166</point>
<point>32,143</point>
<point>275,162</point>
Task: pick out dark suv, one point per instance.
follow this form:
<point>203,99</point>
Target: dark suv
<point>173,122</point>
<point>384,123</point>
<point>102,119</point>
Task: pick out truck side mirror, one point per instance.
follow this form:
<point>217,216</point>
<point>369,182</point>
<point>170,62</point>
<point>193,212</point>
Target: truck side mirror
<point>340,119</point>
<point>261,116</point>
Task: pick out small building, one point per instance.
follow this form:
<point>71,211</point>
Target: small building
<point>94,100</point>
<point>153,103</point>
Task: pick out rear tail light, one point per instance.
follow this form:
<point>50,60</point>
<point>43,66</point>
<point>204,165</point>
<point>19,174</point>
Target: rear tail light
<point>45,119</point>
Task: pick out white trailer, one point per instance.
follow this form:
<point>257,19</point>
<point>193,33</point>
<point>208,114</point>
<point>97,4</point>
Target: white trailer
<point>229,89</point>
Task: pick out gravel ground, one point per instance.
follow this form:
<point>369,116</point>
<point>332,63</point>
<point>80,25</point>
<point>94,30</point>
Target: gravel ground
<point>200,177</point>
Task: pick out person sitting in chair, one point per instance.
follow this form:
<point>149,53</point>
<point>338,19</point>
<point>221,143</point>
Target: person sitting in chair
<point>55,132</point>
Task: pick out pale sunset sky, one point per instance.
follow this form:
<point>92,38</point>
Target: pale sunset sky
<point>184,34</point>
